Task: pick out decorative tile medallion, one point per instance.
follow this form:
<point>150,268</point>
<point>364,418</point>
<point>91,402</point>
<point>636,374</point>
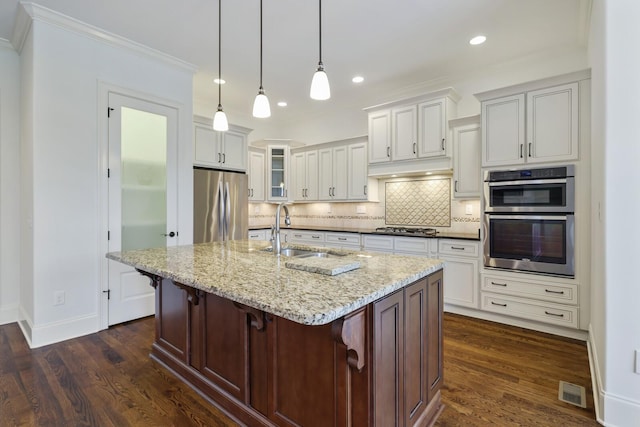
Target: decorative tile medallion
<point>419,203</point>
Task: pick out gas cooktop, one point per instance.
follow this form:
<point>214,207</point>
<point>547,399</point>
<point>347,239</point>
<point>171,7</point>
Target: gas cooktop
<point>407,231</point>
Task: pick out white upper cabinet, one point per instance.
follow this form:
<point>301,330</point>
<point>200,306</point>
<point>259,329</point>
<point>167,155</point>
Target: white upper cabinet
<point>467,179</point>
<point>220,150</point>
<point>402,134</point>
<point>536,122</point>
<point>432,128</point>
<point>256,175</point>
<point>278,173</point>
<point>404,138</point>
<point>332,165</point>
<point>358,179</point>
<point>380,136</point>
<point>304,175</point>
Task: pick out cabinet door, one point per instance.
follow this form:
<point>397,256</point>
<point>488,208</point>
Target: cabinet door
<point>278,173</point>
<point>461,277</point>
<point>311,166</point>
<point>404,139</point>
<point>466,160</point>
<point>206,150</point>
<point>298,176</point>
<point>416,387</point>
<point>552,123</point>
<point>325,173</point>
<point>357,169</point>
<point>340,166</point>
<point>434,332</point>
<point>256,176</point>
<point>503,131</point>
<point>380,136</point>
<point>388,364</point>
<point>234,150</point>
<point>432,128</point>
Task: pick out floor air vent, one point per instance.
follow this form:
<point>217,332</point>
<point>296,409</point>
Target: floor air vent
<point>572,393</point>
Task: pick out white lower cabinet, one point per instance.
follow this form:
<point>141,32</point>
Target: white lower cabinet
<point>547,300</point>
<point>342,240</point>
<point>461,271</point>
<point>306,237</point>
<point>377,243</point>
<point>258,235</point>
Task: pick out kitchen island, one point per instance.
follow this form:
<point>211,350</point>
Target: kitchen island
<point>271,344</point>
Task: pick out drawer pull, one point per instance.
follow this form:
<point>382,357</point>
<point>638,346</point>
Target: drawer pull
<point>499,284</point>
<point>342,238</point>
<point>554,292</point>
<point>315,237</point>
<point>254,235</point>
<point>456,248</point>
<point>298,235</point>
<point>495,303</point>
<point>553,314</point>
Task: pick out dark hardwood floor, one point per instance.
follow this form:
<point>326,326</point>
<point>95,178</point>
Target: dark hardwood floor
<point>494,374</point>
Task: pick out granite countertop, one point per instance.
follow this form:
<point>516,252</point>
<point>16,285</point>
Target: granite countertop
<point>243,271</point>
<point>439,235</point>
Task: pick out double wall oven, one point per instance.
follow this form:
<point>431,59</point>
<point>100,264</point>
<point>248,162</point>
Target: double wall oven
<point>529,220</point>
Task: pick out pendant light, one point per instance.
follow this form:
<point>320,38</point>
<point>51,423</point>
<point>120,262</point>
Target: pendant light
<point>261,108</point>
<point>220,122</point>
<point>320,84</point>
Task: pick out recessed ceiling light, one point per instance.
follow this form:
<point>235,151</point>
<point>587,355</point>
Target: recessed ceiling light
<point>282,104</point>
<point>357,79</point>
<point>477,40</point>
<point>429,173</point>
<point>219,81</point>
<point>393,176</point>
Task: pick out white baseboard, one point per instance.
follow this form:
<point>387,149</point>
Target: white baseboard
<point>577,334</point>
<point>51,333</point>
<point>611,410</point>
<point>8,314</point>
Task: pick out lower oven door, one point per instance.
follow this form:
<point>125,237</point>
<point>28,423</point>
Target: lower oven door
<point>535,243</point>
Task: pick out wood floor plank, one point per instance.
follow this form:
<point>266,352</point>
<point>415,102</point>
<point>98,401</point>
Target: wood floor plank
<point>493,375</point>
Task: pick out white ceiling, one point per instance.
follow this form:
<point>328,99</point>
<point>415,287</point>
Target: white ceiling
<point>393,44</point>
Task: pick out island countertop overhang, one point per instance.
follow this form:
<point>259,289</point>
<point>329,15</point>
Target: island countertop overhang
<point>244,272</point>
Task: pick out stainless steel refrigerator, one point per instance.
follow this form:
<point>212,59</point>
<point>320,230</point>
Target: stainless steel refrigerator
<point>220,205</point>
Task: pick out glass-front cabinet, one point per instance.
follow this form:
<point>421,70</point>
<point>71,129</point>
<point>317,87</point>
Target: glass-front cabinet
<point>278,173</point>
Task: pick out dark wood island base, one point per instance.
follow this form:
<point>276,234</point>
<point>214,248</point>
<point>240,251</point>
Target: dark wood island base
<point>380,365</point>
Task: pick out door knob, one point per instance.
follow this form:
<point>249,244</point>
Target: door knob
<point>171,234</point>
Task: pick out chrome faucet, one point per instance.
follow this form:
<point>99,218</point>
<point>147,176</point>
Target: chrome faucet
<point>276,231</point>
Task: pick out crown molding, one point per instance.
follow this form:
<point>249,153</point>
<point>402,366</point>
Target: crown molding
<point>29,12</point>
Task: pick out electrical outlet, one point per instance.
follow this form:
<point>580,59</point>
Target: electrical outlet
<point>361,209</point>
<point>256,210</point>
<point>468,209</point>
<point>58,298</point>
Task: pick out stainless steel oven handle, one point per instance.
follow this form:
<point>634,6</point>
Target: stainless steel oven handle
<point>527,182</point>
<point>536,217</point>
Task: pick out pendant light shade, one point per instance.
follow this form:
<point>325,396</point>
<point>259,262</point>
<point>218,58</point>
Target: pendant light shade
<point>261,108</point>
<point>220,122</point>
<point>320,84</point>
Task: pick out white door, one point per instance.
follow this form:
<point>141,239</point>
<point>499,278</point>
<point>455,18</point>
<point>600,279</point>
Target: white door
<point>143,140</point>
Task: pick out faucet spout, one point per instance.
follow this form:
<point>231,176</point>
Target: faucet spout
<point>277,247</point>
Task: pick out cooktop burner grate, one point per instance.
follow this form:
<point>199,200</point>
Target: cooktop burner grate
<point>407,231</point>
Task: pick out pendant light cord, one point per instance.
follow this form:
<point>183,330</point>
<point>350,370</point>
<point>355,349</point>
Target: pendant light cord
<point>320,30</point>
<point>219,52</point>
<point>260,44</point>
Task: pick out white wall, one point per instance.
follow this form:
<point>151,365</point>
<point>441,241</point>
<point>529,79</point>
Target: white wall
<point>62,173</point>
<point>9,183</point>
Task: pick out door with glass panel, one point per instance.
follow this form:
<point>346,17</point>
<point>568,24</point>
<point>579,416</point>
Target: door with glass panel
<point>142,196</point>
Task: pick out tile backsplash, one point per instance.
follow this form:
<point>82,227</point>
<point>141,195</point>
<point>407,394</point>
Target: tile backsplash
<point>424,203</point>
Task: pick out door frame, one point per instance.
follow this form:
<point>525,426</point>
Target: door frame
<point>104,88</point>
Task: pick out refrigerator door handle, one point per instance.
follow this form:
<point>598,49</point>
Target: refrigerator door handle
<point>221,217</point>
<point>227,217</point>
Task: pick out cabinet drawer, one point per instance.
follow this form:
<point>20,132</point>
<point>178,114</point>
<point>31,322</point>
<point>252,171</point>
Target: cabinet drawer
<point>307,236</point>
<point>533,310</point>
<point>258,235</point>
<point>412,244</point>
<point>347,239</point>
<point>373,242</point>
<point>459,247</point>
<point>553,292</point>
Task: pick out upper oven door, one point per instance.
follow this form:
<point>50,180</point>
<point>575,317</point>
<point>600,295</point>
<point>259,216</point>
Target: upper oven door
<point>542,195</point>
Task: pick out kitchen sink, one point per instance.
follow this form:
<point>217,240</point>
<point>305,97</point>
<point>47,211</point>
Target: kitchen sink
<point>303,253</point>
